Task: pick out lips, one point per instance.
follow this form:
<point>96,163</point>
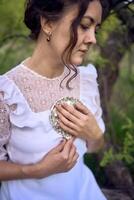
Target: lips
<point>83,51</point>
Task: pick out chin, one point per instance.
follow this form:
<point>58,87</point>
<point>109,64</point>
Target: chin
<point>77,61</point>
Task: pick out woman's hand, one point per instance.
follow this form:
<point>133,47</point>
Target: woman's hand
<point>60,159</point>
<point>78,121</point>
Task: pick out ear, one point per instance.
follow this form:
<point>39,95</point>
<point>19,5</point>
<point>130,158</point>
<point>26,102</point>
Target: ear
<point>47,26</point>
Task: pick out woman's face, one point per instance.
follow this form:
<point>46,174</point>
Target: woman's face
<point>86,32</point>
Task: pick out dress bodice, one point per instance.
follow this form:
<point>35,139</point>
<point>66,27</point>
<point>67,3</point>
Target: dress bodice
<point>27,97</point>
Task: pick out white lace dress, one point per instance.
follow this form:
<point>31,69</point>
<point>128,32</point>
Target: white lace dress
<point>26,134</point>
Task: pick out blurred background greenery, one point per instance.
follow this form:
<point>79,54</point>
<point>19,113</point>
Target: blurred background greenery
<point>114,60</point>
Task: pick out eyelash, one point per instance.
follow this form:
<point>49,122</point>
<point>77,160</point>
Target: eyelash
<point>87,27</point>
<point>84,27</point>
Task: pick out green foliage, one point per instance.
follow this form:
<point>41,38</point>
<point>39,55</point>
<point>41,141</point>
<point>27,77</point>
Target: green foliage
<point>128,147</point>
<point>12,53</point>
<point>95,57</point>
<point>11,17</point>
<point>100,61</point>
<point>121,109</point>
<point>14,44</point>
<point>111,24</point>
<point>126,152</point>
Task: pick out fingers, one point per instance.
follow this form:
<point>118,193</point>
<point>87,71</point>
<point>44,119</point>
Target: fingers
<point>72,152</point>
<point>82,108</point>
<point>59,147</point>
<point>67,121</point>
<point>69,112</point>
<point>67,129</point>
<point>67,147</point>
<point>63,121</point>
<point>68,155</point>
<point>75,158</point>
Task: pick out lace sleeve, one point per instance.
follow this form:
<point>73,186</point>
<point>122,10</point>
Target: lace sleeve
<point>4,127</point>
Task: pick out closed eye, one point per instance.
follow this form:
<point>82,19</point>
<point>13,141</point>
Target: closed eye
<point>84,27</point>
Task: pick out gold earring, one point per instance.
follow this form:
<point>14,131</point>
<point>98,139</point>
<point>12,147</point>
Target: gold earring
<point>49,36</point>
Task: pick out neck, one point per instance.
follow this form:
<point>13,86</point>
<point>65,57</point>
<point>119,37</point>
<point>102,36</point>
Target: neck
<point>43,62</point>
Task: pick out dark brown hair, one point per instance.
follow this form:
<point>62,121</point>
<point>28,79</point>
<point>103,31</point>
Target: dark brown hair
<point>53,10</point>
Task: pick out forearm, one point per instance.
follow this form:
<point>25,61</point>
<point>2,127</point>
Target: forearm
<point>12,171</point>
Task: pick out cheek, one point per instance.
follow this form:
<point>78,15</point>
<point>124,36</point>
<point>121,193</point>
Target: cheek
<point>81,36</point>
<point>79,40</point>
<point>77,47</point>
<point>77,58</point>
<point>61,40</point>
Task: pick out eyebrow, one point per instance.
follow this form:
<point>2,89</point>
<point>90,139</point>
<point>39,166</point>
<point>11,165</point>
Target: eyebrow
<point>92,20</point>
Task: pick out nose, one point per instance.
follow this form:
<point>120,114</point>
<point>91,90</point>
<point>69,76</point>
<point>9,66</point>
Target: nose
<point>90,37</point>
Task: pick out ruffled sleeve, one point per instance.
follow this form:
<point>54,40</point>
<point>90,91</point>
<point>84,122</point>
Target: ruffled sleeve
<point>89,92</point>
<point>20,115</point>
<point>4,124</point>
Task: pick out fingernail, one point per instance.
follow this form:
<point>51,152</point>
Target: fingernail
<point>63,140</point>
<point>64,104</point>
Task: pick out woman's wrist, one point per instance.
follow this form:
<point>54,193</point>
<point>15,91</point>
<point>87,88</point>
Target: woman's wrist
<point>34,171</point>
<point>95,134</point>
<point>98,133</point>
<point>30,171</point>
<point>96,145</point>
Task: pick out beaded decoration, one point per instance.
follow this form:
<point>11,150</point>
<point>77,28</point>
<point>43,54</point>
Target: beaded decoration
<point>54,117</point>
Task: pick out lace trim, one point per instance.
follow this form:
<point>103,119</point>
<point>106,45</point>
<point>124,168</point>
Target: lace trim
<point>4,126</point>
<point>41,93</point>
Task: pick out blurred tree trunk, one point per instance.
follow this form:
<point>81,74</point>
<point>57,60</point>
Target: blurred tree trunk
<point>114,51</point>
<point>117,45</point>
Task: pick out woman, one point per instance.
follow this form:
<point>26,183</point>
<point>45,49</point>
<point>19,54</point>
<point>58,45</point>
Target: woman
<point>36,162</point>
